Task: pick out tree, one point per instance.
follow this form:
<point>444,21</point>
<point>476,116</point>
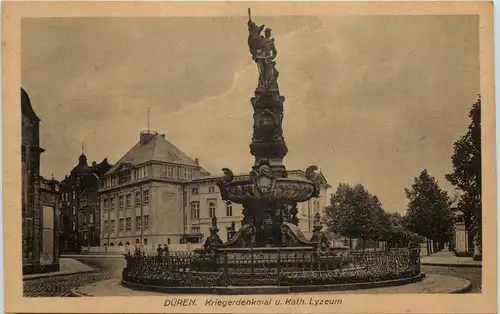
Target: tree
<point>466,176</point>
<point>429,213</point>
<point>354,213</point>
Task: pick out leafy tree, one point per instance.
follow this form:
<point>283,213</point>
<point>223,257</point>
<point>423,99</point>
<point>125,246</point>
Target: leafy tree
<point>429,213</point>
<point>354,213</point>
<point>466,175</point>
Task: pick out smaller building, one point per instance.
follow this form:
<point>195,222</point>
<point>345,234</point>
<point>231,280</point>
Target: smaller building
<point>80,205</point>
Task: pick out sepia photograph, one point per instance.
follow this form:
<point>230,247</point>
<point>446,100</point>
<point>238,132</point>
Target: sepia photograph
<point>272,157</point>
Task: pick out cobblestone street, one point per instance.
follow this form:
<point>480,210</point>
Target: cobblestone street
<point>470,273</point>
<point>61,286</point>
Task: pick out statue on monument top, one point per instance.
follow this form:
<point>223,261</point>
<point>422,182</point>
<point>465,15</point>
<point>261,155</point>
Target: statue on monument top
<point>263,53</point>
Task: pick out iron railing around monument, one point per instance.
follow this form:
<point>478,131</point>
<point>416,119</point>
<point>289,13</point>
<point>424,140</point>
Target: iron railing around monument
<point>279,268</point>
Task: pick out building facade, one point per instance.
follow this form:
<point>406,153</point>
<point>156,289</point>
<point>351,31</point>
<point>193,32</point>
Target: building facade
<point>155,194</point>
<point>80,205</point>
<point>40,199</point>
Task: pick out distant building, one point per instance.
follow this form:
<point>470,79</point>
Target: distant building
<point>156,194</point>
<point>40,199</point>
<point>80,205</point>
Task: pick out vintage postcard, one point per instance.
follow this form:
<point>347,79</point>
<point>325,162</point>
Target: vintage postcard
<point>272,157</point>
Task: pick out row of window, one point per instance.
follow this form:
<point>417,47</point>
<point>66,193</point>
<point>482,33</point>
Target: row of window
<point>125,176</point>
<point>195,191</point>
<point>176,172</point>
<point>195,209</point>
<point>125,201</point>
<point>126,224</point>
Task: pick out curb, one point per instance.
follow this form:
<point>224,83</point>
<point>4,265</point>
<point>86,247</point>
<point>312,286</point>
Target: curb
<point>464,289</point>
<point>452,265</point>
<point>62,274</point>
<point>273,290</point>
<point>78,294</point>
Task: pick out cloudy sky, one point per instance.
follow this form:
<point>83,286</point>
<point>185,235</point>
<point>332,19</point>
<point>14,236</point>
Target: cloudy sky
<point>369,99</point>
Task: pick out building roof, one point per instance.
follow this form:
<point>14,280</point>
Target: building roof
<point>154,147</point>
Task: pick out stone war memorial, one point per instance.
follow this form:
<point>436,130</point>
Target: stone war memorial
<point>269,254</point>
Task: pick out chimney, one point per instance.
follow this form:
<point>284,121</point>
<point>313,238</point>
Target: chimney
<point>197,161</point>
<point>146,137</point>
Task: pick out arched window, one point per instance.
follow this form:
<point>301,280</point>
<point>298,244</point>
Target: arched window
<point>229,209</point>
<point>111,244</point>
<point>195,210</point>
<point>120,244</point>
<point>105,244</point>
<point>211,209</point>
<point>128,243</point>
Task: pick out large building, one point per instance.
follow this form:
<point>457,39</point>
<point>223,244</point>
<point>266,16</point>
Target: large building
<point>40,199</point>
<point>80,205</point>
<point>156,194</point>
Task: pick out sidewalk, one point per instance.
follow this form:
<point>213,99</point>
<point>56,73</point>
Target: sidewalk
<point>448,258</point>
<point>67,266</point>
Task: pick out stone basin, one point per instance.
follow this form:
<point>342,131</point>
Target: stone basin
<point>280,189</point>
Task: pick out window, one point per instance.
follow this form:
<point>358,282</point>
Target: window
<point>121,224</point>
<point>189,173</point>
<point>128,222</point>
<point>170,171</point>
<point>182,173</point>
<point>124,177</point>
<point>195,210</point>
<point>112,203</point>
<point>106,205</point>
<point>137,241</point>
<point>74,194</point>
<point>122,200</point>
<point>229,209</point>
<point>91,218</point>
<point>138,223</point>
<point>137,199</point>
<point>145,241</point>
<point>211,208</point>
<point>106,226</point>
<point>85,235</point>
<point>128,200</point>
<point>146,222</point>
<point>229,233</point>
<point>112,225</point>
<point>168,241</point>
<point>195,230</point>
<point>194,191</point>
<point>74,226</point>
<point>145,195</point>
<point>74,210</point>
<point>211,189</point>
<point>145,168</point>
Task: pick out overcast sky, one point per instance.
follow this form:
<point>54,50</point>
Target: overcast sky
<point>371,100</point>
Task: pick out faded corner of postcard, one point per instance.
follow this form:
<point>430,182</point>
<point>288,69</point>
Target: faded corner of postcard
<point>244,157</point>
